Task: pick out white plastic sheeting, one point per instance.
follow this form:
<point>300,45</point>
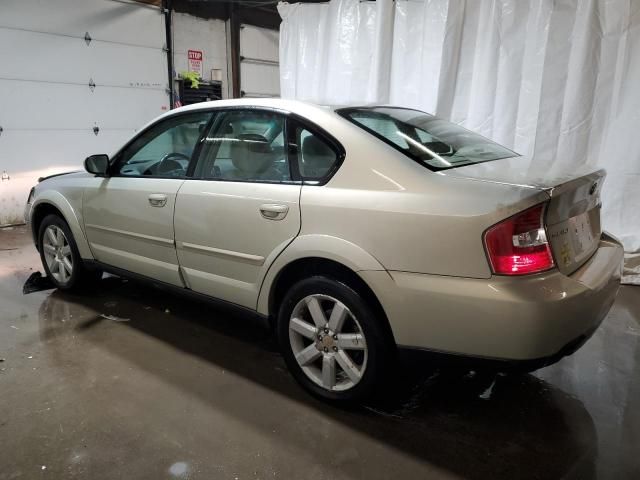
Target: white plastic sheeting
<point>558,80</point>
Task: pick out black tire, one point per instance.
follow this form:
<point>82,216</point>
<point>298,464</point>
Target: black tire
<point>81,276</point>
<point>379,345</point>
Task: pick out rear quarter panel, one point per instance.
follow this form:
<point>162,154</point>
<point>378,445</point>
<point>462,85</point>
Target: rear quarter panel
<point>407,217</point>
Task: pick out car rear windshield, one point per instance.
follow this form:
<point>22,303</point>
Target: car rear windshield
<point>427,139</point>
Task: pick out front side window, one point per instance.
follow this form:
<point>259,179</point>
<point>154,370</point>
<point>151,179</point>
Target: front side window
<point>245,145</point>
<point>429,140</point>
<point>165,149</point>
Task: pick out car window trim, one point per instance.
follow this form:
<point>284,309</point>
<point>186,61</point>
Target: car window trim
<point>199,145</point>
<point>292,152</point>
<point>216,118</point>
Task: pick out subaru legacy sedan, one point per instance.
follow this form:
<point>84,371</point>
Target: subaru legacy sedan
<point>357,231</point>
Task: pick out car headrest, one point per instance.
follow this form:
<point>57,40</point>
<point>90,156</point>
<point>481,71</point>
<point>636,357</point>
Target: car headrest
<point>317,157</point>
<point>251,154</point>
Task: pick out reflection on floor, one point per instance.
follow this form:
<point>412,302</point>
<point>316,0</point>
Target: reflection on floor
<point>129,382</point>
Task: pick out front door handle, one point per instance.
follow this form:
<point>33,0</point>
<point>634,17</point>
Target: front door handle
<point>157,199</point>
<point>273,211</point>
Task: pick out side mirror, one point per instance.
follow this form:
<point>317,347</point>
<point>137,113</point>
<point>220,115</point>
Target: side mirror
<point>97,164</point>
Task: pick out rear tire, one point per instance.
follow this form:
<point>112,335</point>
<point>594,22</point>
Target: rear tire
<point>60,257</point>
<point>333,341</point>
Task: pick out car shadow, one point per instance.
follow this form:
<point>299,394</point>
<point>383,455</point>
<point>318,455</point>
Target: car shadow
<point>474,426</point>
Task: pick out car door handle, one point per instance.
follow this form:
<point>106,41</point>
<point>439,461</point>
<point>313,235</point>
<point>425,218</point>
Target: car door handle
<point>272,211</point>
<point>157,199</point>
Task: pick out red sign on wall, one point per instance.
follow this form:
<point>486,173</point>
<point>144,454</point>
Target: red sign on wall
<point>195,61</point>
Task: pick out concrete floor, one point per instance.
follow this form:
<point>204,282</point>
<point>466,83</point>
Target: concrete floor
<point>167,388</point>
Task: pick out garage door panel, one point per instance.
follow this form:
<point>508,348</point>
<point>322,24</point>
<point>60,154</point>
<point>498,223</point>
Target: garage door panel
<point>259,69</point>
<point>66,150</point>
<point>25,55</point>
<point>60,106</point>
<point>47,109</point>
<point>104,20</point>
<point>256,42</point>
<point>260,79</point>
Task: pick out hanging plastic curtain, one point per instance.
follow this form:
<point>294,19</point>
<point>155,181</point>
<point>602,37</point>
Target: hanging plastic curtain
<point>555,80</point>
<point>332,51</point>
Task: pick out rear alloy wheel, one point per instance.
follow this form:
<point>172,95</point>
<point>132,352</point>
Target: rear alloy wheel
<point>331,350</point>
<point>60,257</point>
<point>332,340</point>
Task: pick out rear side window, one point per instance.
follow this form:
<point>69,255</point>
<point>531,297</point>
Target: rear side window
<point>429,140</point>
<point>316,158</point>
<point>245,145</point>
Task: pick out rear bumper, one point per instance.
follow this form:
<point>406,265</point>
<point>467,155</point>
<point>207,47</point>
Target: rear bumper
<point>535,318</point>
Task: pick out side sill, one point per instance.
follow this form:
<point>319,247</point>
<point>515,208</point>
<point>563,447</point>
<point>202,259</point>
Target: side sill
<point>180,291</point>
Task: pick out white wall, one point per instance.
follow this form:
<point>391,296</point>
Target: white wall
<point>206,35</point>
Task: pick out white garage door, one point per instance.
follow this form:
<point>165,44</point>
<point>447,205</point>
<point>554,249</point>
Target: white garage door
<point>64,96</point>
<point>259,68</point>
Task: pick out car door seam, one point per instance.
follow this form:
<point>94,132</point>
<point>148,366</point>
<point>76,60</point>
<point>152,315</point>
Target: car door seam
<point>284,248</point>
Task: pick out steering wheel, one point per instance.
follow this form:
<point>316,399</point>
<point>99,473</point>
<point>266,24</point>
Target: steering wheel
<point>169,162</point>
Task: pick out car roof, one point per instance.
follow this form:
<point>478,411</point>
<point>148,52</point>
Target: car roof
<point>272,102</point>
<point>257,102</point>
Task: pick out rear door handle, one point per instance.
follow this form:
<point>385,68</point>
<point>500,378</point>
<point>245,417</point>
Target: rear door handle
<point>273,211</point>
<point>157,199</point>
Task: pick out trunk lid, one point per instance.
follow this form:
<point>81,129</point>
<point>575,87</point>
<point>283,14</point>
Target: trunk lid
<point>573,220</point>
<point>573,213</point>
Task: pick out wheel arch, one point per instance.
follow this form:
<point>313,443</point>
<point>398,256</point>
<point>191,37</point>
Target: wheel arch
<point>319,255</point>
<point>52,202</point>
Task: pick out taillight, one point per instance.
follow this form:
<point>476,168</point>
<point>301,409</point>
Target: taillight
<point>518,245</point>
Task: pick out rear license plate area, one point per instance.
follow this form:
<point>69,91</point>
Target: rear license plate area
<point>581,233</point>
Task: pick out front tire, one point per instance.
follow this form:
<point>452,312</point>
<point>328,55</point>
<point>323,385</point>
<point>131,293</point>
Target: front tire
<point>60,257</point>
<point>332,340</point>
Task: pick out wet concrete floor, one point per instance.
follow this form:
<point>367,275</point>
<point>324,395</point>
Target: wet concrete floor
<point>130,382</point>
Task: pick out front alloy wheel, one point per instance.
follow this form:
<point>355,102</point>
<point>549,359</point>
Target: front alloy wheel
<point>60,257</point>
<point>57,254</point>
<point>328,342</point>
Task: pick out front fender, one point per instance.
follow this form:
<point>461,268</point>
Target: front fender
<point>316,246</point>
<point>71,216</point>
